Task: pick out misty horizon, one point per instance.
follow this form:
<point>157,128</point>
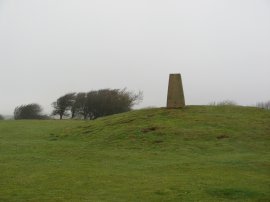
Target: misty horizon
<point>50,48</point>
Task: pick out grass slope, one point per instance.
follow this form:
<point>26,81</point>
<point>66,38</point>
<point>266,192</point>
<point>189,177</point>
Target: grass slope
<point>200,153</point>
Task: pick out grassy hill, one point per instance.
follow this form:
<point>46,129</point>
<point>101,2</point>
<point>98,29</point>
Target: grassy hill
<point>200,153</point>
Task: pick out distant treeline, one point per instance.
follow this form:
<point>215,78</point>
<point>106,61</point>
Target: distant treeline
<point>95,104</point>
<point>263,105</point>
<point>224,103</point>
<point>84,105</point>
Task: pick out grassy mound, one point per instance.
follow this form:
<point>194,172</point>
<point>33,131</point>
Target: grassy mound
<point>200,153</point>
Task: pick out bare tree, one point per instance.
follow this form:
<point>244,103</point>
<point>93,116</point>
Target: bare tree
<point>263,105</point>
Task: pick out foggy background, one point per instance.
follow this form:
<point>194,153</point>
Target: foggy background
<point>52,47</point>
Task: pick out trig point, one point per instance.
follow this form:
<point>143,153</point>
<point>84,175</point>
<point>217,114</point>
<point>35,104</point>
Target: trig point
<point>175,97</point>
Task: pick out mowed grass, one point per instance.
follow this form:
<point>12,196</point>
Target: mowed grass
<point>200,153</point>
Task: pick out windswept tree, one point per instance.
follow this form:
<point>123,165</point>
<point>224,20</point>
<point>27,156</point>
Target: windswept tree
<point>29,111</point>
<point>79,107</point>
<point>95,104</point>
<point>129,98</point>
<point>63,105</point>
<point>110,101</point>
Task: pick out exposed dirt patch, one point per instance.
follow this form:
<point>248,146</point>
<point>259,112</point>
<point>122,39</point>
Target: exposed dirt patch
<point>87,131</point>
<point>150,129</point>
<point>220,137</point>
<point>158,141</point>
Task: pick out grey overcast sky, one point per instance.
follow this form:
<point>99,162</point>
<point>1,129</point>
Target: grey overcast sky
<point>51,47</point>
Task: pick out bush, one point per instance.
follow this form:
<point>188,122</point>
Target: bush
<point>29,111</point>
<point>2,117</point>
<point>224,103</point>
<point>111,101</point>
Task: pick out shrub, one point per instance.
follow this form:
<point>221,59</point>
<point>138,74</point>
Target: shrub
<point>29,111</point>
<point>224,103</point>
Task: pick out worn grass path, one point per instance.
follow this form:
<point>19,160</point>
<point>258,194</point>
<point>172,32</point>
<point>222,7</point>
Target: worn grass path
<point>201,153</point>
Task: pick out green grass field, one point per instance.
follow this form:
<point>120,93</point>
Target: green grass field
<point>200,153</point>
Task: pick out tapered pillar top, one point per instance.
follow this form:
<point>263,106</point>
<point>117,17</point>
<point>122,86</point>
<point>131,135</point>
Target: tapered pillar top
<point>175,98</point>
